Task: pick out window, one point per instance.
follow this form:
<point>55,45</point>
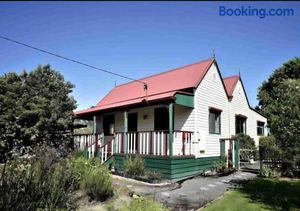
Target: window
<point>260,128</point>
<point>214,121</point>
<point>161,118</point>
<point>132,122</point>
<point>240,124</point>
<point>109,125</point>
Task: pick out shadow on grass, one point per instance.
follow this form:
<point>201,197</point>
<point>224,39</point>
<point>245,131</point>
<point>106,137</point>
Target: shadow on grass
<point>279,194</point>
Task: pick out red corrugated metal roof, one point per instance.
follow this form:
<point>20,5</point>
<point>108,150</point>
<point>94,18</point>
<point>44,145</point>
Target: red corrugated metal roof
<point>160,86</point>
<point>230,83</point>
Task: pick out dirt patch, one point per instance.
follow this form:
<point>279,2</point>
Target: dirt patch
<point>121,198</point>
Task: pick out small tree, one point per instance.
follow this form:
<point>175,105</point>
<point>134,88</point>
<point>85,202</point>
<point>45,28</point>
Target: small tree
<point>279,100</point>
<point>35,108</point>
<point>247,143</point>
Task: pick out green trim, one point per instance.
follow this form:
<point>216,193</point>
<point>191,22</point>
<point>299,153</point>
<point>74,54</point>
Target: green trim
<point>222,148</point>
<point>171,125</point>
<point>184,100</point>
<point>86,153</point>
<point>174,169</point>
<point>237,154</point>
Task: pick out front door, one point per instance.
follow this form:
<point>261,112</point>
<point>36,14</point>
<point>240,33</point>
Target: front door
<point>132,131</point>
<point>132,122</point>
<point>161,119</point>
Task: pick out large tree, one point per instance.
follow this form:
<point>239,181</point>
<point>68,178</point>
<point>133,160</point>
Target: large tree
<point>35,108</point>
<point>279,100</point>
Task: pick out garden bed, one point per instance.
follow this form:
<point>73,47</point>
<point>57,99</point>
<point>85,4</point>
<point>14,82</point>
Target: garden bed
<point>139,178</point>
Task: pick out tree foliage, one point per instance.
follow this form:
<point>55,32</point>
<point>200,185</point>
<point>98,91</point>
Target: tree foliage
<point>279,100</point>
<point>35,107</point>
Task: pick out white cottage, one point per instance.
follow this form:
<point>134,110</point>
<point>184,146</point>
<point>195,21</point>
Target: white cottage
<point>174,120</point>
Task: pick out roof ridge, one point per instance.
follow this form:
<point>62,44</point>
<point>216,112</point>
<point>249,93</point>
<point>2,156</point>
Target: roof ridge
<point>161,73</point>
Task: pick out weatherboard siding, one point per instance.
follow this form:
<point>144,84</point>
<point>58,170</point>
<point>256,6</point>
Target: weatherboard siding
<point>239,105</point>
<point>184,119</point>
<point>210,93</point>
<point>174,169</point>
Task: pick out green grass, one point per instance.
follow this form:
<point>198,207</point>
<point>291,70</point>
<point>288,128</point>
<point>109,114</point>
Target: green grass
<point>261,194</point>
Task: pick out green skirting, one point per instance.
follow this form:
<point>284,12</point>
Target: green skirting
<point>174,169</point>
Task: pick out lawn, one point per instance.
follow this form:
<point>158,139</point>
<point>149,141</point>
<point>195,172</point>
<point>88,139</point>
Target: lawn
<point>261,194</point>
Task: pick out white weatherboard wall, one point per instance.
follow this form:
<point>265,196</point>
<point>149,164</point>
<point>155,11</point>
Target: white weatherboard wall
<point>239,105</point>
<point>210,93</point>
<point>184,119</point>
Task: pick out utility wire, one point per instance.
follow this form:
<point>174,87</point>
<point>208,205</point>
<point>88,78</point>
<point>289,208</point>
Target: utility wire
<point>71,60</point>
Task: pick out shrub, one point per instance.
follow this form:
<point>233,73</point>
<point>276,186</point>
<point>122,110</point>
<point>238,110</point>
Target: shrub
<point>77,153</point>
<point>40,183</point>
<point>153,175</point>
<point>98,183</point>
<point>268,172</point>
<point>144,204</point>
<point>247,143</point>
<point>79,167</point>
<point>135,167</point>
<point>268,148</point>
<point>220,165</point>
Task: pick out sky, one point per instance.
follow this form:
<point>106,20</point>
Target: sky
<point>138,39</point>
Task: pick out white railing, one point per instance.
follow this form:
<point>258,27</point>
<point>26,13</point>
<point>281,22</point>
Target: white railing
<point>88,142</point>
<point>154,143</point>
<point>142,142</point>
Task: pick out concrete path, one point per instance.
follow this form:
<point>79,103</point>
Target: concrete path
<point>197,192</point>
<point>191,194</point>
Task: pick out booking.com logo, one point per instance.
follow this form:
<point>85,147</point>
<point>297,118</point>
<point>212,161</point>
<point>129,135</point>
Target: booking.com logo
<point>258,12</point>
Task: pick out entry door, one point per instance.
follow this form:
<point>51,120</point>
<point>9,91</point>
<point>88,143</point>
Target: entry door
<point>132,122</point>
<point>161,118</point>
<point>132,129</point>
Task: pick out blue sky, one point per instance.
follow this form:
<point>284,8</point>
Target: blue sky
<point>142,38</point>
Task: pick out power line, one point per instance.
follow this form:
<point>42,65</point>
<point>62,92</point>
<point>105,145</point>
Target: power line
<point>71,60</point>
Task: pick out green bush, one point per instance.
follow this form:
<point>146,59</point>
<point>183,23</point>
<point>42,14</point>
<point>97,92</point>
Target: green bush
<point>144,204</point>
<point>79,167</point>
<point>268,149</point>
<point>247,143</point>
<point>40,183</point>
<point>135,167</point>
<point>268,172</point>
<point>153,175</point>
<point>77,153</point>
<point>220,165</point>
<point>97,183</point>
<point>46,182</point>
